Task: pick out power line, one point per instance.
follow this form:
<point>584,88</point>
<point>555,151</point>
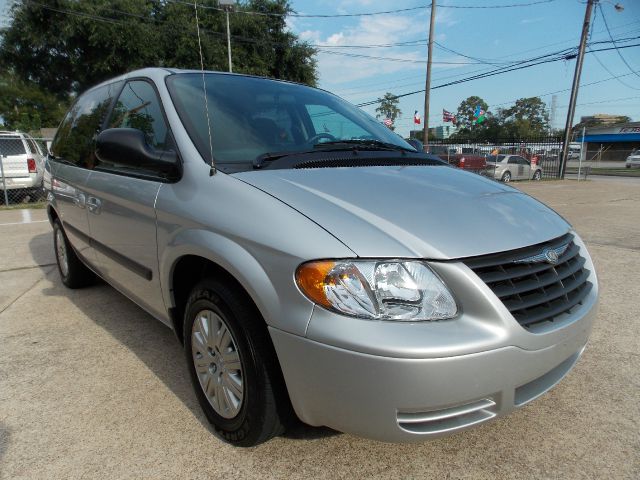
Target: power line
<point>490,74</point>
<point>614,42</point>
<point>396,59</point>
<point>609,71</point>
<point>367,14</point>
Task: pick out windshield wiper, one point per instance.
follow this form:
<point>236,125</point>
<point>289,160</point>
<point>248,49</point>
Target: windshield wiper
<point>260,160</point>
<point>364,144</point>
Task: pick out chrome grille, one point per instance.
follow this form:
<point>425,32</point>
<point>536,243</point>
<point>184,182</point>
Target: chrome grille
<point>536,291</point>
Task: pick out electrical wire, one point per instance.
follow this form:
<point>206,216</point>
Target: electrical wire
<point>368,14</point>
<point>604,19</point>
<point>489,74</point>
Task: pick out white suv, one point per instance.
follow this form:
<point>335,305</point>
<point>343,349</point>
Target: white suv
<point>22,164</point>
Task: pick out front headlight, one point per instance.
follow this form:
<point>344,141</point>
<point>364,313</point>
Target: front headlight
<point>377,289</point>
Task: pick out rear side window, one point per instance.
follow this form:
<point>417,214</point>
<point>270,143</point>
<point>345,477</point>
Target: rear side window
<point>11,146</point>
<point>75,140</point>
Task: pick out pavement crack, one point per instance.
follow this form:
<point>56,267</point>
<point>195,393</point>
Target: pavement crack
<point>25,292</point>
<point>15,269</point>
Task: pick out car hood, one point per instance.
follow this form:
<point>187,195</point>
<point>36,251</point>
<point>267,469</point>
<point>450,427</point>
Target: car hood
<point>434,212</point>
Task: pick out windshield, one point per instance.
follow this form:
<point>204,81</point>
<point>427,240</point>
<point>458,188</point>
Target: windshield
<point>495,158</point>
<point>251,117</point>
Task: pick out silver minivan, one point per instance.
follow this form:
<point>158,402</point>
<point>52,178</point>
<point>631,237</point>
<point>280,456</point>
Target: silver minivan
<point>312,263</point>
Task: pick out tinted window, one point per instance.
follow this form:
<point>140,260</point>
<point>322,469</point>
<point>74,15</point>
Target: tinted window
<point>11,146</point>
<point>139,107</point>
<point>75,139</point>
<point>31,145</point>
<point>512,160</point>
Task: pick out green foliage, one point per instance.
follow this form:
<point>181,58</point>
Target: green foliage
<point>26,107</point>
<point>526,118</point>
<point>62,47</point>
<point>465,117</point>
<point>388,108</point>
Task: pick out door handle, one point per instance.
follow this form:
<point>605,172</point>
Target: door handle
<point>80,200</point>
<point>93,205</point>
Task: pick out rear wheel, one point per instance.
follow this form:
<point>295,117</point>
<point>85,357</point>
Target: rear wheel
<point>537,175</point>
<point>73,272</point>
<point>232,365</point>
<point>506,177</point>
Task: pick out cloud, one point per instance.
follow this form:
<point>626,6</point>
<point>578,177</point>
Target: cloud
<point>374,30</point>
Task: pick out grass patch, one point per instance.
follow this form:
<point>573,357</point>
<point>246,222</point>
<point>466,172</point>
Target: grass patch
<point>618,172</point>
<point>21,206</point>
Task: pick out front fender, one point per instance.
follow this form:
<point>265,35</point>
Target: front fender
<point>232,257</point>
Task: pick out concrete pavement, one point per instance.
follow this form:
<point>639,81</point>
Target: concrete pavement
<point>93,387</point>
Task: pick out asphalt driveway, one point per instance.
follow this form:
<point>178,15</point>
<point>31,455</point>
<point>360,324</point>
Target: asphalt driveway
<point>93,387</point>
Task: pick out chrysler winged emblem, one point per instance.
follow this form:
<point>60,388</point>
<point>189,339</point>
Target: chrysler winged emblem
<point>549,255</point>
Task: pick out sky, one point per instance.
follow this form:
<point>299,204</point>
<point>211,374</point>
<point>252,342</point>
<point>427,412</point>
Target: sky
<point>496,34</point>
<point>491,35</point>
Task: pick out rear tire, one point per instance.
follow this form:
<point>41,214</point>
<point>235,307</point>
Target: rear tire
<point>537,176</point>
<point>233,366</point>
<point>506,177</point>
<point>73,272</point>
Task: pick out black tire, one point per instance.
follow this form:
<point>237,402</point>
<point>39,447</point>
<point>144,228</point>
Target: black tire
<point>76,275</point>
<point>537,176</point>
<point>265,407</point>
<point>506,177</point>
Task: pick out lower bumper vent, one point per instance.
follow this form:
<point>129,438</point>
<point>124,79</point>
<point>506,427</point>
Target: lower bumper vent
<point>448,419</point>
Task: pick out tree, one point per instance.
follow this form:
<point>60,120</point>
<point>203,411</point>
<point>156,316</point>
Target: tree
<point>66,46</point>
<point>527,117</point>
<point>388,108</point>
<point>465,116</point>
<point>27,107</point>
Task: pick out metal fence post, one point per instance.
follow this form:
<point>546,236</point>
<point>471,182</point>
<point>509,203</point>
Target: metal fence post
<point>4,181</point>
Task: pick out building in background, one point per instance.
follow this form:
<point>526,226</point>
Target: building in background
<point>444,131</point>
<point>611,142</point>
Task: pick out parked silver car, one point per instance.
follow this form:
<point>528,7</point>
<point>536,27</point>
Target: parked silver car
<point>633,160</point>
<point>313,262</point>
<point>512,167</point>
<point>22,164</point>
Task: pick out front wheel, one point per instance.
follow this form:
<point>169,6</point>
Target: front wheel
<point>506,177</point>
<point>232,365</point>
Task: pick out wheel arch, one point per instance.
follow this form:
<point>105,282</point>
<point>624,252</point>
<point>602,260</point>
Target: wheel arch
<point>196,254</point>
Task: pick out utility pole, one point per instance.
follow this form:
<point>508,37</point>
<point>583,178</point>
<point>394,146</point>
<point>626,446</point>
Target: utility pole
<point>228,6</point>
<point>574,88</point>
<point>427,90</point>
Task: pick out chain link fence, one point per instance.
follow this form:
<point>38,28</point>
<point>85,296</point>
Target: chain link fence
<point>529,159</point>
<point>22,159</point>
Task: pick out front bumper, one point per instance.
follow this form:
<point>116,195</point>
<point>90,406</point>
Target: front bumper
<point>404,400</point>
<point>403,382</point>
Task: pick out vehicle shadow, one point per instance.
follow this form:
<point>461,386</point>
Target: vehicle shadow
<point>150,340</point>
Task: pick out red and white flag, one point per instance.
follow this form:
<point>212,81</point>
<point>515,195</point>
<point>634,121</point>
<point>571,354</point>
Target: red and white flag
<point>448,116</point>
<point>416,118</point>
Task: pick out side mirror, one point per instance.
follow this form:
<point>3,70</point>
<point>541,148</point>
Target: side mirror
<point>128,146</point>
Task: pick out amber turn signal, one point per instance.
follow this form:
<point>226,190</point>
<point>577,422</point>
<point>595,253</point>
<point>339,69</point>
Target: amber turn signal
<point>311,279</point>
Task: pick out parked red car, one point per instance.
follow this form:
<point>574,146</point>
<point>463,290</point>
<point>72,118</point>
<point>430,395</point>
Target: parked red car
<point>474,163</point>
